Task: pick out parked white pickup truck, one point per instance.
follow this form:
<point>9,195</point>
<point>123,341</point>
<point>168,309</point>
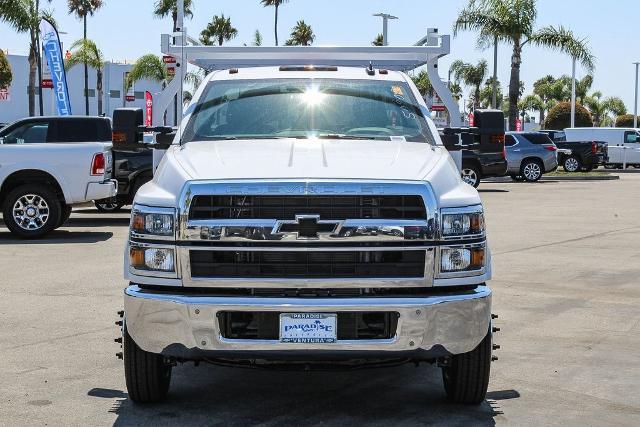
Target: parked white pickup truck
<point>48,164</point>
<point>307,215</point>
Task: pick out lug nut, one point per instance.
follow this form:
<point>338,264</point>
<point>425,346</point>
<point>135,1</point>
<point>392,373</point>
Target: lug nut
<point>119,355</point>
<point>118,340</point>
<point>494,358</point>
<point>494,316</point>
<point>496,329</point>
<point>119,322</point>
<point>496,346</point>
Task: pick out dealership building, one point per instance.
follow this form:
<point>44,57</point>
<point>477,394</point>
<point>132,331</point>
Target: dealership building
<point>14,101</point>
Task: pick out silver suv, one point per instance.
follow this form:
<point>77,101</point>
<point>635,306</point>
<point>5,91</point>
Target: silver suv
<point>530,155</point>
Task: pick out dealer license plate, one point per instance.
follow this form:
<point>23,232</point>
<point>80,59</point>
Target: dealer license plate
<point>308,328</point>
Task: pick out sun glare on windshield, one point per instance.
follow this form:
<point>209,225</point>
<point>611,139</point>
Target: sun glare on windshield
<point>312,96</point>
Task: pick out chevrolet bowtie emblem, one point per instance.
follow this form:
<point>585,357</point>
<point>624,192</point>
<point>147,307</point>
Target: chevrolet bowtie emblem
<point>307,227</point>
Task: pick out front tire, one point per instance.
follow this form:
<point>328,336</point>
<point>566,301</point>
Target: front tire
<point>147,375</point>
<point>471,175</point>
<point>572,164</point>
<point>531,170</point>
<point>31,211</point>
<point>466,379</point>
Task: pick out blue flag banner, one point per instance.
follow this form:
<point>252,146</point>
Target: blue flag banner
<point>55,58</point>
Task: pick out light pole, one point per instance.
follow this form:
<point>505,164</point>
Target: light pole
<point>635,106</point>
<point>494,99</point>
<point>385,19</point>
<point>573,93</point>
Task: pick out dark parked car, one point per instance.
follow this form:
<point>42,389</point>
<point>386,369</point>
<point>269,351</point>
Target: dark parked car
<point>585,155</point>
<point>477,165</point>
<point>132,168</point>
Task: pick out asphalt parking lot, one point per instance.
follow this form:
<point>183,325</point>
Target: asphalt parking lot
<point>566,286</point>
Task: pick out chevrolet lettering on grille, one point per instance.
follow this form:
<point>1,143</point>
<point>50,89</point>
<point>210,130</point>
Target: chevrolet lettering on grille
<point>307,227</point>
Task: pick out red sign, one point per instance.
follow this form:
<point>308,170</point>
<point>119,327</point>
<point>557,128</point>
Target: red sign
<point>472,120</point>
<point>518,125</point>
<point>148,100</point>
<point>168,59</point>
<point>130,98</point>
<point>4,95</point>
<point>46,84</point>
<point>438,108</point>
<point>171,71</point>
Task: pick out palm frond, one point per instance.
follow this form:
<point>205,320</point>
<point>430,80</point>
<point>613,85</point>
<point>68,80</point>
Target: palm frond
<point>565,41</point>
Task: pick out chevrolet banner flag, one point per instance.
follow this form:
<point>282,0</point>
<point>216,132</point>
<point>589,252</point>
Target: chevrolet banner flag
<point>55,58</point>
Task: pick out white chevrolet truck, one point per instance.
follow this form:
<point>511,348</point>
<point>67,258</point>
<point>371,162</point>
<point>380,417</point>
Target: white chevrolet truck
<point>307,215</point>
<point>49,164</point>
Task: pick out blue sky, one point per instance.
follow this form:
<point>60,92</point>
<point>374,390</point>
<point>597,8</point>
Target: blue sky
<point>126,29</point>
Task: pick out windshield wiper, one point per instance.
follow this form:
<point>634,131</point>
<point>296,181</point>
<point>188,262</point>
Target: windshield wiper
<point>342,136</point>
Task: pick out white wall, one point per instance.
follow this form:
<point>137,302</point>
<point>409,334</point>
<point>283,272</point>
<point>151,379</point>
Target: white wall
<point>18,105</point>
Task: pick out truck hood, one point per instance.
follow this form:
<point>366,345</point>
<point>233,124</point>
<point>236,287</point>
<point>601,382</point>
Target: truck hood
<point>303,158</point>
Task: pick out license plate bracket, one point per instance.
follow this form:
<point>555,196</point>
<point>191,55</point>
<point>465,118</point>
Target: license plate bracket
<point>308,328</point>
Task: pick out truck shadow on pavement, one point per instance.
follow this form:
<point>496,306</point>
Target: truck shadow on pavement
<point>208,395</point>
<point>56,237</point>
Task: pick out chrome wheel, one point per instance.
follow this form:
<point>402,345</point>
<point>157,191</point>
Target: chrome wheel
<point>532,171</point>
<point>30,212</point>
<point>108,206</point>
<point>571,164</point>
<point>470,177</point>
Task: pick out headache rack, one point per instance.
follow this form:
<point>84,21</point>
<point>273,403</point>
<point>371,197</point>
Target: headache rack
<point>425,52</point>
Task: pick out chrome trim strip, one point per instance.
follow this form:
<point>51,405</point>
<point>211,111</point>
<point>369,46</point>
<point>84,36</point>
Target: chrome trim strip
<point>350,230</point>
<point>446,275</point>
<point>401,282</point>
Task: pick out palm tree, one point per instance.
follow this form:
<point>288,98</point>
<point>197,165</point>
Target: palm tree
<point>530,103</point>
<point>583,86</point>
<point>219,28</point>
<point>486,94</point>
<point>165,8</point>
<point>148,67</point>
<point>82,9</point>
<point>24,16</point>
<point>378,41</point>
<point>276,4</point>
<point>471,75</point>
<point>423,84</point>
<point>6,76</point>
<point>257,38</point>
<point>87,52</point>
<point>301,35</point>
<point>601,108</point>
<point>513,22</point>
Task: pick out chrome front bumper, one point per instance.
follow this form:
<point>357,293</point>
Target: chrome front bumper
<point>159,322</point>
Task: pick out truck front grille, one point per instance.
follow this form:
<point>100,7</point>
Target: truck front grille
<point>205,207</point>
<point>307,264</point>
<point>265,325</point>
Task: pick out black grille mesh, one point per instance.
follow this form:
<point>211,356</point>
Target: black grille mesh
<point>308,264</point>
<point>287,207</point>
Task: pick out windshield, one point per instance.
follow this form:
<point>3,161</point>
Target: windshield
<point>307,108</point>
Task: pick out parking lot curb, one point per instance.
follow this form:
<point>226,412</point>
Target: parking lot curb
<point>580,178</point>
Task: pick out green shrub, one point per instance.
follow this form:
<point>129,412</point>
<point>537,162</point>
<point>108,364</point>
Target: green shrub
<point>625,121</point>
<point>5,71</point>
<point>559,117</point>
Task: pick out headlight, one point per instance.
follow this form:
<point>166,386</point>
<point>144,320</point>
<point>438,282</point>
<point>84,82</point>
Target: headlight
<point>463,222</point>
<point>454,260</point>
<point>152,258</point>
<point>147,221</point>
